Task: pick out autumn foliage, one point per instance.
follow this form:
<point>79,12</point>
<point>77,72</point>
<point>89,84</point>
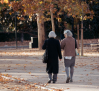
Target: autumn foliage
<point>73,8</point>
<point>4,1</point>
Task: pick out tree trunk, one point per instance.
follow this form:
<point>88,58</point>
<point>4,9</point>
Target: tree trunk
<point>78,36</point>
<point>82,38</point>
<point>52,19</point>
<point>41,32</point>
<point>82,32</point>
<point>16,29</point>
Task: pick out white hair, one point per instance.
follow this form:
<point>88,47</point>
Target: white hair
<point>52,34</point>
<point>68,33</point>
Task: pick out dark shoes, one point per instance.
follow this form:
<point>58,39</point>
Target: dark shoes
<point>49,81</point>
<point>67,81</point>
<point>71,80</point>
<point>54,81</point>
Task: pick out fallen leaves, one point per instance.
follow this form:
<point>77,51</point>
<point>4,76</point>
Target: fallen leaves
<point>30,63</point>
<point>89,83</point>
<point>24,67</point>
<point>22,53</point>
<point>17,86</point>
<point>17,64</point>
<point>29,72</point>
<point>7,69</point>
<point>9,66</point>
<point>4,80</point>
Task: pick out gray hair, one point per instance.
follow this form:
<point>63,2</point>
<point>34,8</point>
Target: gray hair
<point>68,33</point>
<point>52,34</point>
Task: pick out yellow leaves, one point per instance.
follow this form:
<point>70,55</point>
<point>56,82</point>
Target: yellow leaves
<point>59,19</point>
<point>41,2</point>
<point>81,17</point>
<point>90,83</point>
<point>49,0</point>
<point>23,5</point>
<point>26,87</point>
<point>10,5</point>
<point>25,64</point>
<point>75,66</point>
<point>69,9</point>
<point>10,13</point>
<point>85,18</point>
<point>73,1</point>
<point>13,86</point>
<point>87,75</point>
<point>36,87</point>
<point>28,5</point>
<point>18,18</point>
<point>5,75</point>
<point>97,2</point>
<point>4,79</point>
<point>1,79</point>
<point>92,12</point>
<point>17,64</point>
<point>30,63</point>
<point>16,90</point>
<point>4,1</point>
<point>35,83</point>
<point>8,69</point>
<point>30,16</point>
<point>73,16</point>
<point>25,11</point>
<point>29,72</point>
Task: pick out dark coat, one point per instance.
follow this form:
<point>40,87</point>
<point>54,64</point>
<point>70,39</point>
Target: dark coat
<point>54,51</point>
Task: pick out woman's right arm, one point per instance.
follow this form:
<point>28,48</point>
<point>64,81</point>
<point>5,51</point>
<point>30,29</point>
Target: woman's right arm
<point>62,44</point>
<point>59,50</point>
<point>44,45</point>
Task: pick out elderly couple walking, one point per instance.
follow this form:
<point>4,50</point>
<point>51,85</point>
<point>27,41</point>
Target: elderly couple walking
<point>68,44</point>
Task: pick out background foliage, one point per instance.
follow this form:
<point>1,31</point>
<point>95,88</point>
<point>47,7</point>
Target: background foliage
<point>26,16</point>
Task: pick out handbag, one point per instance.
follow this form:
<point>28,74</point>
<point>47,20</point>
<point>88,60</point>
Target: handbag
<point>45,55</point>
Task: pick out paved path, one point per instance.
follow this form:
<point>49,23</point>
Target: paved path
<point>27,64</point>
<point>25,46</point>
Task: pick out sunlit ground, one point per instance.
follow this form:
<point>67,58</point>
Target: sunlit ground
<point>27,64</point>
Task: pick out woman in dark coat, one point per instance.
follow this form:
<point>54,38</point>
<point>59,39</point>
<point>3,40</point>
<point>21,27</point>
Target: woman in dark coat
<point>54,51</point>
